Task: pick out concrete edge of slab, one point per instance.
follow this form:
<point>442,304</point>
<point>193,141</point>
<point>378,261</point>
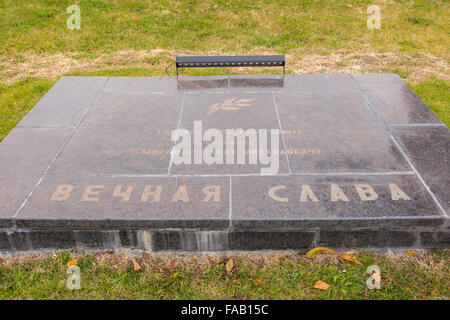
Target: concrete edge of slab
<point>188,240</point>
<point>224,223</point>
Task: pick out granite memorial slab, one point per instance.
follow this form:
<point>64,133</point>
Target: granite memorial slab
<point>224,111</point>
<point>25,154</point>
<point>151,202</point>
<point>122,134</point>
<point>427,147</point>
<point>335,132</point>
<point>65,103</point>
<point>394,101</point>
<point>226,163</point>
<point>312,200</point>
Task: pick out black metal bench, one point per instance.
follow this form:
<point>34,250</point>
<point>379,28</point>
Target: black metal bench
<point>230,61</point>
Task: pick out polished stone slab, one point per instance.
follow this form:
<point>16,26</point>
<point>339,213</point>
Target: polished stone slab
<point>321,82</point>
<point>123,134</point>
<point>201,241</point>
<point>258,83</point>
<point>363,162</point>
<point>230,111</point>
<point>313,201</point>
<point>156,85</point>
<point>65,103</point>
<point>393,100</point>
<point>429,148</point>
<point>25,154</point>
<point>335,132</point>
<point>102,202</point>
<point>369,238</point>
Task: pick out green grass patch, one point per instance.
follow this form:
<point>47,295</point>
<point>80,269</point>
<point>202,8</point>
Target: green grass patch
<point>419,20</point>
<point>110,276</point>
<point>39,26</point>
<point>436,94</point>
<point>86,55</point>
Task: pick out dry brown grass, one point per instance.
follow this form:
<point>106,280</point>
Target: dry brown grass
<point>415,69</point>
<point>123,257</point>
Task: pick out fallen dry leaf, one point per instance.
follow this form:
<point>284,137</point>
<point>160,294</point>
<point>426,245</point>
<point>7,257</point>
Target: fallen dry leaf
<point>313,252</point>
<point>136,265</point>
<point>229,265</point>
<point>72,262</point>
<point>411,253</point>
<point>321,285</point>
<point>349,258</point>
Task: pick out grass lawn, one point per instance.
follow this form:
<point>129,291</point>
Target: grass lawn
<point>264,276</point>
<point>319,26</point>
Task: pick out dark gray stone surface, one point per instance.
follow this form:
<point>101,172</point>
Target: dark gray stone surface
<point>254,205</point>
<point>114,135</point>
<point>52,239</point>
<point>436,239</point>
<point>212,83</point>
<point>393,100</point>
<point>407,223</point>
<point>200,241</point>
<point>429,149</point>
<point>65,103</point>
<point>335,132</point>
<point>128,238</point>
<point>96,239</point>
<point>368,238</point>
<point>273,83</point>
<point>259,113</point>
<point>261,240</point>
<point>168,202</point>
<point>258,83</point>
<point>158,85</point>
<point>4,241</point>
<point>20,241</point>
<point>294,83</point>
<point>122,134</point>
<point>25,154</point>
<point>188,240</point>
